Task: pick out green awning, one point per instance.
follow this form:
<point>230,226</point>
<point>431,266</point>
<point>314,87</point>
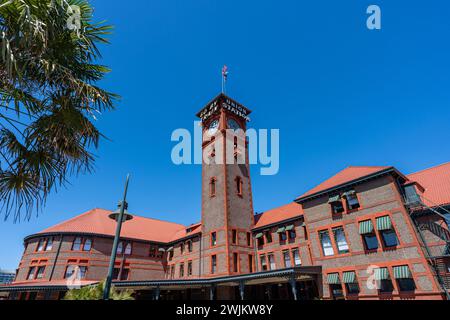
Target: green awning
<point>382,274</point>
<point>289,227</point>
<point>333,278</point>
<point>349,277</point>
<point>281,229</point>
<point>348,193</point>
<point>258,235</point>
<point>334,198</point>
<point>365,227</point>
<point>384,223</point>
<point>402,272</point>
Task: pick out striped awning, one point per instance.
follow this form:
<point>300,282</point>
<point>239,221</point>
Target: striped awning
<point>382,274</point>
<point>170,249</point>
<point>258,235</point>
<point>402,272</point>
<point>334,198</point>
<point>333,278</point>
<point>349,277</point>
<point>348,193</point>
<point>365,227</point>
<point>281,229</point>
<point>289,227</point>
<point>384,223</point>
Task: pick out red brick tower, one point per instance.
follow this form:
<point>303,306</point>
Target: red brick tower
<point>227,208</point>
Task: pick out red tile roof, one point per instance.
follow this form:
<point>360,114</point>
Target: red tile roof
<point>279,214</point>
<point>344,176</point>
<point>436,182</point>
<point>96,221</point>
<point>193,229</point>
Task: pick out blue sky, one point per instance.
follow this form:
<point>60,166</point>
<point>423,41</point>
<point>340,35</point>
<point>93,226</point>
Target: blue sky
<point>339,93</point>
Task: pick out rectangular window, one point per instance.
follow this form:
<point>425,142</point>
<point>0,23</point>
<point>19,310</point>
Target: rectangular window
<point>336,291</point>
<point>213,239</point>
<point>41,244</point>
<point>389,238</point>
<point>249,239</point>
<point>190,246</point>
<point>234,236</point>
<point>337,207</point>
<point>239,186</point>
<point>352,288</point>
<point>213,264</point>
<point>327,247</point>
<point>76,246</point>
<point>124,275</point>
<point>181,270</point>
<point>296,255</point>
<point>340,240</point>
<point>182,248</point>
<point>87,245</point>
<point>115,274</point>
<point>172,271</point>
<point>128,249</point>
<point>305,231</point>
<point>371,241</point>
<point>287,259</point>
<point>40,272</point>
<point>262,258</point>
<point>282,236</point>
<point>189,270</point>
<point>292,234</point>
<point>235,262</point>
<point>70,270</point>
<point>31,272</point>
<point>272,264</point>
<point>352,201</point>
<point>406,284</point>
<point>49,244</point>
<point>385,286</point>
<point>250,263</point>
<point>268,235</point>
<point>212,187</point>
<point>170,254</point>
<point>260,241</point>
<point>119,248</point>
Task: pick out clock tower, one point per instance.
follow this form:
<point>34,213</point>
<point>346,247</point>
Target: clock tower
<point>227,207</point>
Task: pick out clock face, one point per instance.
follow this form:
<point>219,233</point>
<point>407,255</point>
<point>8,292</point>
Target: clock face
<point>232,124</point>
<point>213,127</point>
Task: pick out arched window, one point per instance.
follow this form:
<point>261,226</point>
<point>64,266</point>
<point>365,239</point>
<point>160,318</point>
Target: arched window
<point>212,187</point>
<point>239,186</point>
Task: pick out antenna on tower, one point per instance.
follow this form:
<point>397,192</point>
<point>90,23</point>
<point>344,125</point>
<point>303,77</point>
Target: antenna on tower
<point>224,78</point>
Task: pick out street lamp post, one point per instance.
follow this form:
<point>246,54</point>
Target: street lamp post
<point>120,215</point>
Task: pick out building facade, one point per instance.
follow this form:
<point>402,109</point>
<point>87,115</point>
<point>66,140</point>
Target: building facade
<point>365,233</point>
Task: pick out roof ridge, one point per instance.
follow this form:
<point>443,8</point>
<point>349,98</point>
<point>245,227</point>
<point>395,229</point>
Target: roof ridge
<point>426,169</point>
<point>73,218</point>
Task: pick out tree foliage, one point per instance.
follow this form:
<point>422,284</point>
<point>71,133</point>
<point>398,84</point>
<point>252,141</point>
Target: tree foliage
<point>48,98</point>
<point>95,292</point>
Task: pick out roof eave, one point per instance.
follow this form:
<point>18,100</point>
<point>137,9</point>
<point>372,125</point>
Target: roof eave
<point>350,183</point>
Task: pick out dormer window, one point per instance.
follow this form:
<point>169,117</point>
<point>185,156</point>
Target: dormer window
<point>352,200</point>
<point>336,204</point>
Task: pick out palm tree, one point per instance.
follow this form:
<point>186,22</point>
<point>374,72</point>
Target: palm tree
<point>48,98</point>
<point>95,292</point>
